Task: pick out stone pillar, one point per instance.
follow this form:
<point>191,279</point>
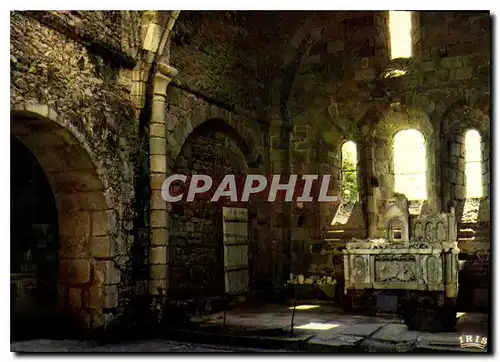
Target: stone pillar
<point>158,248</point>
<point>432,182</point>
<point>371,201</point>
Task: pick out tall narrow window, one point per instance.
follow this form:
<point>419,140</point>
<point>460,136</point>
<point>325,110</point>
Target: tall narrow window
<point>400,34</point>
<point>410,165</point>
<point>349,172</point>
<point>473,177</point>
<point>349,183</point>
<point>473,170</point>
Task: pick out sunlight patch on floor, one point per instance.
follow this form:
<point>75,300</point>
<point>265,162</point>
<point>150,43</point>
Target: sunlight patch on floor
<point>318,326</point>
<point>305,307</point>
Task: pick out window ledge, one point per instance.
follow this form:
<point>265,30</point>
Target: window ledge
<point>397,68</point>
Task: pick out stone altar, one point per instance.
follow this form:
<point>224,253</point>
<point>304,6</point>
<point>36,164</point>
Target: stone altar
<point>421,268</point>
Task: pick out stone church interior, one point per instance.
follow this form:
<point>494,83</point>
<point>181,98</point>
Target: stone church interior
<point>394,105</point>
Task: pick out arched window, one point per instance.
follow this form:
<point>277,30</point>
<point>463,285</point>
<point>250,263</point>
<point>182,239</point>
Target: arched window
<point>473,171</point>
<point>473,176</point>
<point>348,182</point>
<point>400,34</point>
<point>349,177</point>
<point>410,165</point>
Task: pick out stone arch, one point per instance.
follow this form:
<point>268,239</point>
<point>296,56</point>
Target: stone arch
<point>196,267</point>
<point>382,133</point>
<point>181,130</point>
<point>87,220</point>
<point>217,125</point>
<point>459,118</point>
<point>396,120</point>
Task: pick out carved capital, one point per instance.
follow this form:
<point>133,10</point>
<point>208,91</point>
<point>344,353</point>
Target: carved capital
<point>167,70</point>
<point>163,76</point>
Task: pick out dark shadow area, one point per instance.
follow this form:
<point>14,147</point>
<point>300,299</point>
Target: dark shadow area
<point>34,247</point>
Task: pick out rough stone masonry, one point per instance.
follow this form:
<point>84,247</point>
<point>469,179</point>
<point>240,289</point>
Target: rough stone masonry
<point>105,105</point>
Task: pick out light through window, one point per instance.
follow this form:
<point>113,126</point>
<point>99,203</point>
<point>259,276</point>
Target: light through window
<point>349,172</point>
<point>400,34</point>
<point>349,183</point>
<point>473,177</point>
<point>473,164</point>
<point>410,165</point>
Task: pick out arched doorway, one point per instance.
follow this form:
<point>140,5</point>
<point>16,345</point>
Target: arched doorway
<point>199,254</point>
<point>34,244</point>
<point>65,217</point>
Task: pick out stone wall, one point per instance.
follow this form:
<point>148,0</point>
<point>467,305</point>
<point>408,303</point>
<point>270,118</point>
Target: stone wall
<point>290,92</point>
<point>196,262</point>
<point>208,139</point>
<point>457,122</point>
<point>114,34</point>
<point>64,93</point>
<point>210,50</point>
<point>187,110</point>
<point>340,88</point>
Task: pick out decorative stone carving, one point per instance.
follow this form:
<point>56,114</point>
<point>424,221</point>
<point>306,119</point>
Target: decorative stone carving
<point>439,228</point>
<point>440,232</point>
<point>418,230</point>
<point>430,231</point>
<point>359,269</point>
<point>433,270</point>
<point>386,271</point>
<point>415,263</point>
<point>393,271</point>
<point>395,268</point>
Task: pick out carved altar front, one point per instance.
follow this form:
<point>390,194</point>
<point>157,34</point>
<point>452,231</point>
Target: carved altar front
<point>428,261</point>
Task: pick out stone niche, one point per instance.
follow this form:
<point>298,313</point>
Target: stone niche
<point>397,219</point>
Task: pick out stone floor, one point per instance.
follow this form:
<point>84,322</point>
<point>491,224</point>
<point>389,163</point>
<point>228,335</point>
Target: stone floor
<point>153,346</point>
<point>328,325</point>
<point>324,328</point>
